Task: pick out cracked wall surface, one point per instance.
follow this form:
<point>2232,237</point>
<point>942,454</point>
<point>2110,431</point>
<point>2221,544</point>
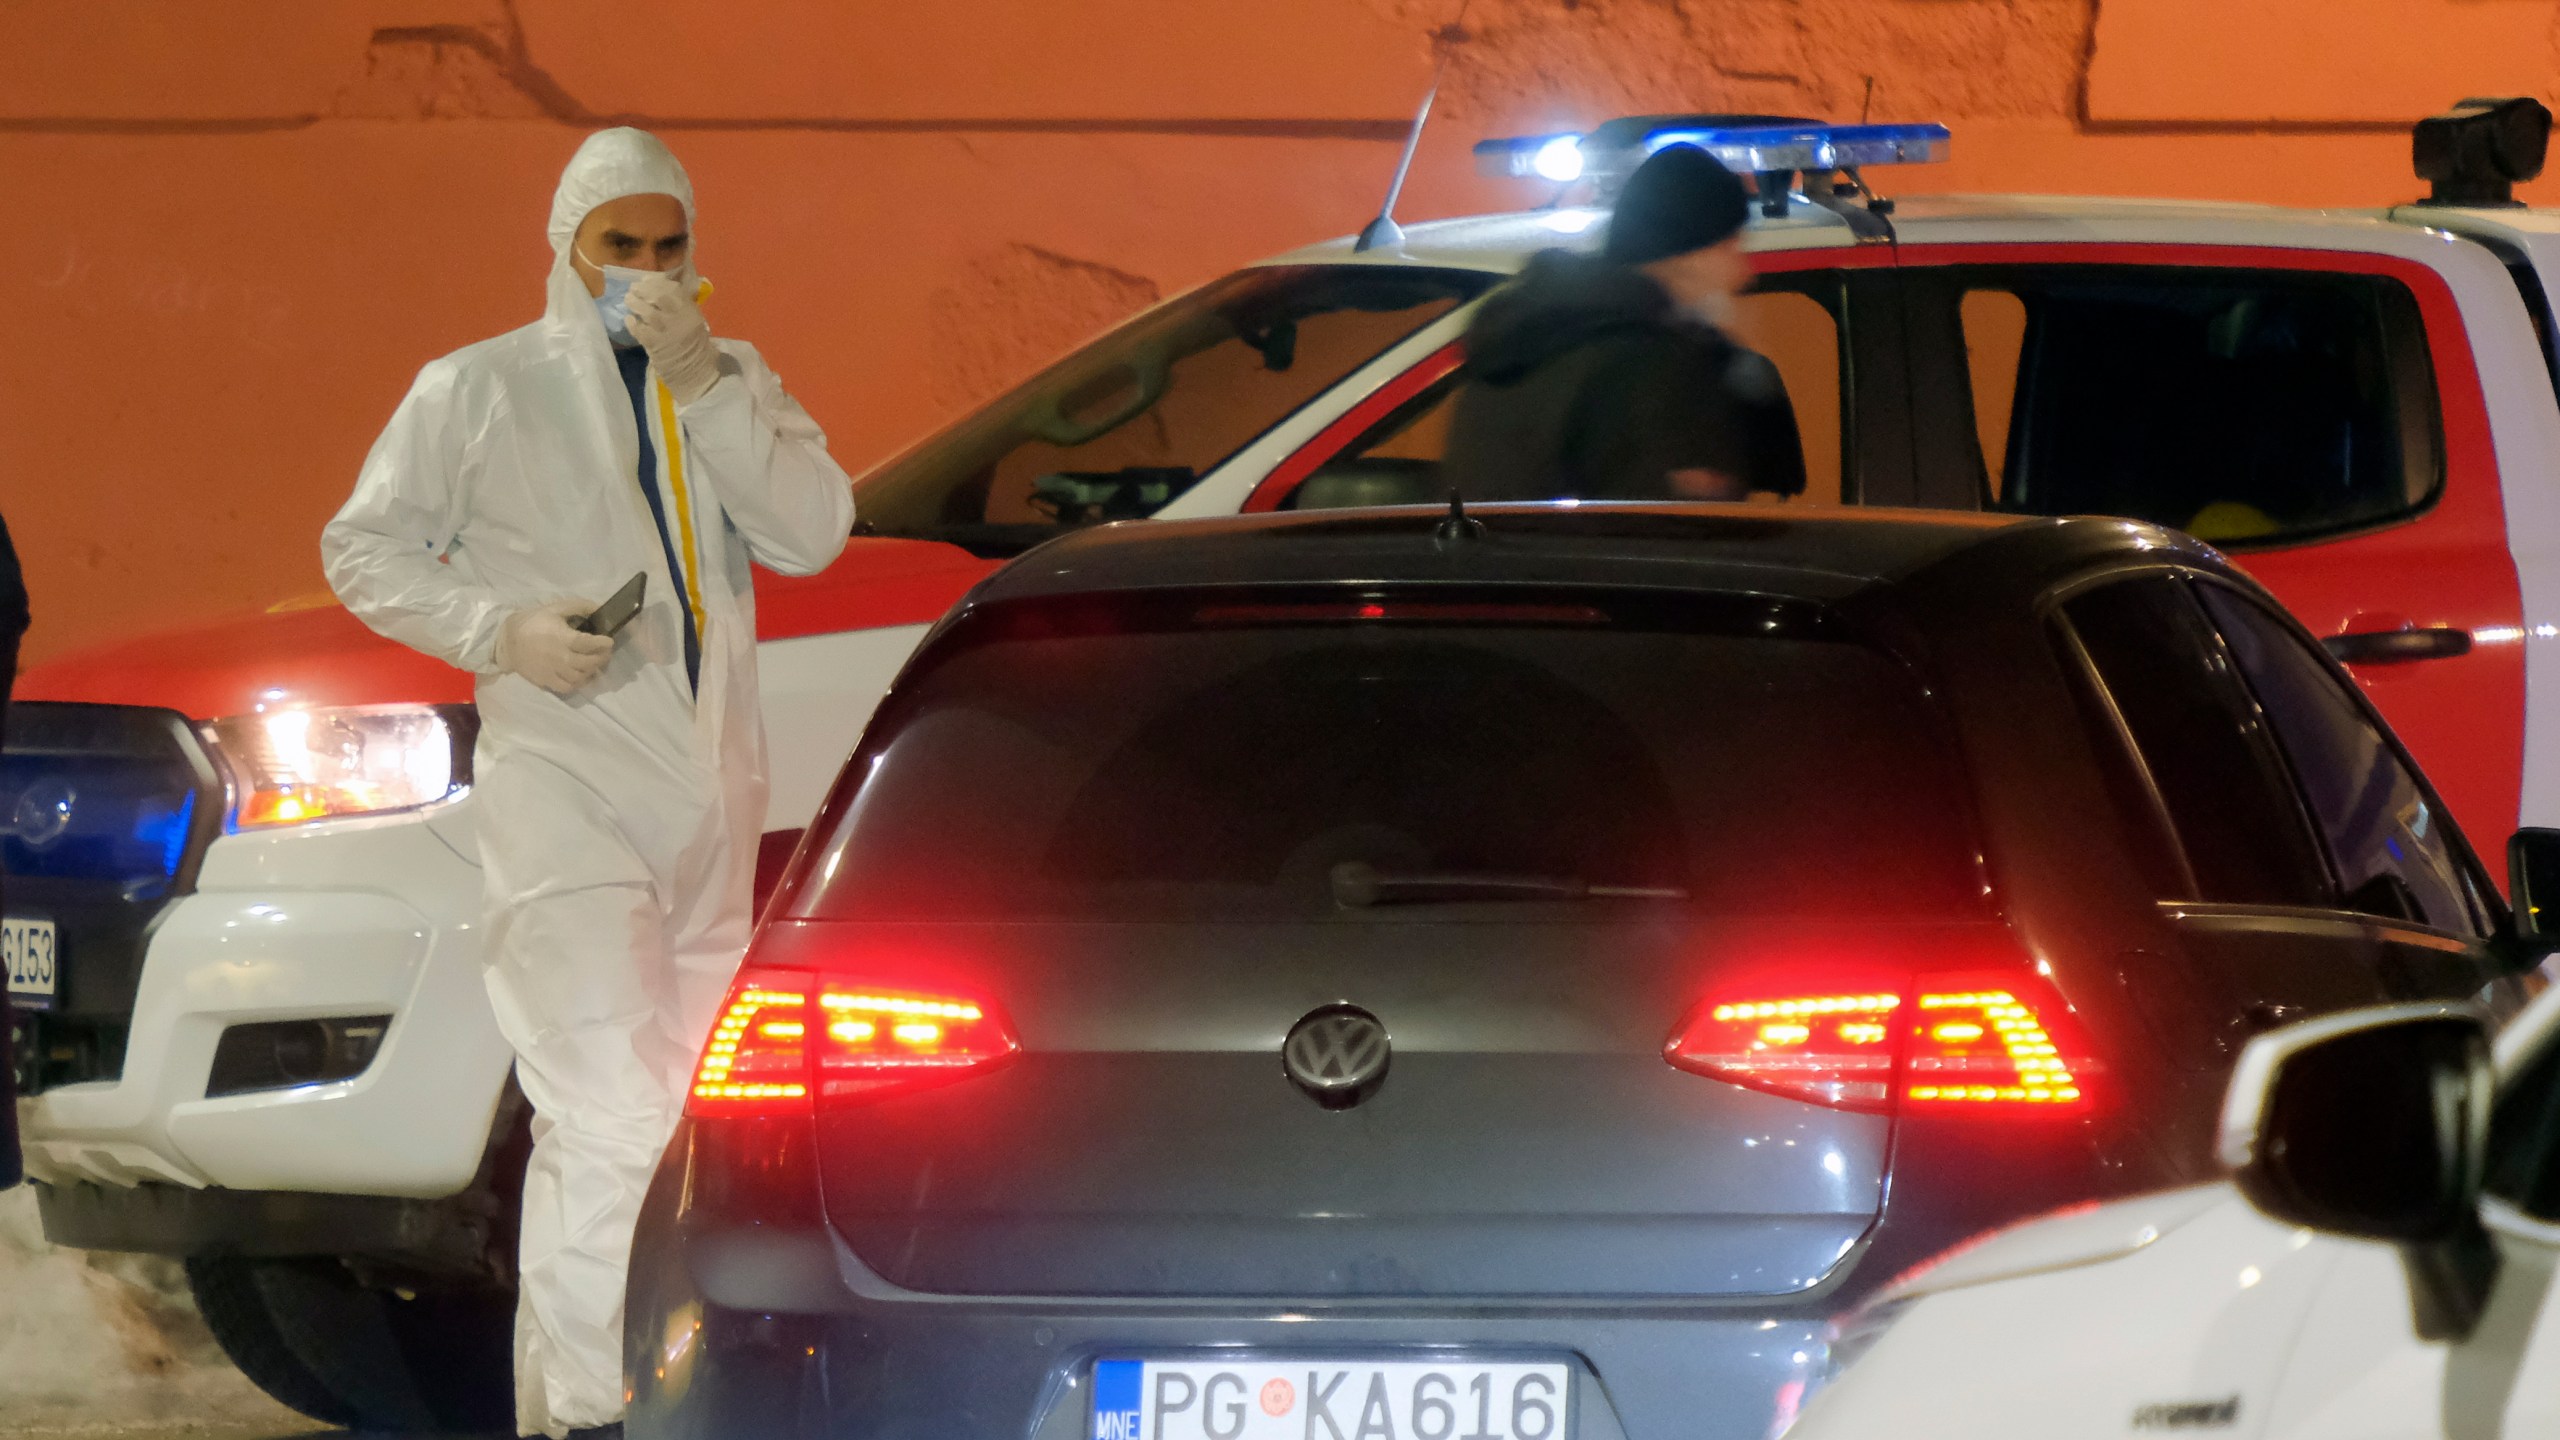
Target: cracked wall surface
<point>1009,309</point>
<point>247,226</point>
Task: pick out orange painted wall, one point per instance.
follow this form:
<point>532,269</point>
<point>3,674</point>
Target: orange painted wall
<point>238,230</point>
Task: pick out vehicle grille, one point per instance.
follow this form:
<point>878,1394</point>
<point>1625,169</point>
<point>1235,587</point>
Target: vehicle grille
<point>105,812</point>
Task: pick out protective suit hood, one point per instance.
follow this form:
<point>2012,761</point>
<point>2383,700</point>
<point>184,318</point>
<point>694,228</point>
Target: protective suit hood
<point>609,165</point>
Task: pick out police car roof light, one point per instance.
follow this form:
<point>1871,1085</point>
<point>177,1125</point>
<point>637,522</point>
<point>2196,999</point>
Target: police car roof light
<point>1811,147</point>
<point>1746,144</point>
<point>1517,156</point>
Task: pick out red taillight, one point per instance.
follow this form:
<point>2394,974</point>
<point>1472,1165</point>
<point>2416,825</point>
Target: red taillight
<point>786,1036</point>
<point>1973,1043</point>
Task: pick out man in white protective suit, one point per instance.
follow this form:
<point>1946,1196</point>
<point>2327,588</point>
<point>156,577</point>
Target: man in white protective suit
<point>619,784</point>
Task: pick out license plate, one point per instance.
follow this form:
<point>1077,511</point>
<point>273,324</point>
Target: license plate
<point>27,954</point>
<point>1330,1400</point>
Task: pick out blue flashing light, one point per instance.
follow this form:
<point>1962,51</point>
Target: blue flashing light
<point>167,831</point>
<point>1609,153</point>
<point>1810,147</point>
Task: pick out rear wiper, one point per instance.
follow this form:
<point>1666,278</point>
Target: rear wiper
<point>1357,884</point>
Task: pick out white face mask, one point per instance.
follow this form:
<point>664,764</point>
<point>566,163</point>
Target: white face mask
<point>613,307</point>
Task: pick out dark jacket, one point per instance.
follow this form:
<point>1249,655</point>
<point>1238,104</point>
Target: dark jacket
<point>1583,381</point>
<point>13,624</point>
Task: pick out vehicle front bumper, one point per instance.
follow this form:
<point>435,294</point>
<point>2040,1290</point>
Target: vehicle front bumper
<point>378,917</point>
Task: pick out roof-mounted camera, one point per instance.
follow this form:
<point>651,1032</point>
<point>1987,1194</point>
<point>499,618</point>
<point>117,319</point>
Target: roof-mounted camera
<point>2475,153</point>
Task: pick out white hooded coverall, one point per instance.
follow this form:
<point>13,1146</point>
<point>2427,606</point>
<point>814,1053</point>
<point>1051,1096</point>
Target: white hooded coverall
<point>617,824</point>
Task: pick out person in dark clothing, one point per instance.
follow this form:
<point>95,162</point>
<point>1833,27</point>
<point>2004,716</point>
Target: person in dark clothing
<point>13,625</point>
<point>1611,377</point>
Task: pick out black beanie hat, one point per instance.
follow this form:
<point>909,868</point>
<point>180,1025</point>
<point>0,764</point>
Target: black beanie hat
<point>1680,199</point>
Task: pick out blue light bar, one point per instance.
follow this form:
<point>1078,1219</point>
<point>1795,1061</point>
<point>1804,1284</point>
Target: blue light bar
<point>1810,147</point>
<point>1614,150</point>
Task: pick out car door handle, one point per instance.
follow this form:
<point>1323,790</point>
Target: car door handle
<point>2398,647</point>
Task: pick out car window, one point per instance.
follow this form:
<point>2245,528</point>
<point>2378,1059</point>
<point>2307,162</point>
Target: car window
<point>2390,843</point>
<point>1792,320</point>
<point>2243,406</point>
<point>2168,688</point>
<point>1218,757</point>
<point>1122,427</point>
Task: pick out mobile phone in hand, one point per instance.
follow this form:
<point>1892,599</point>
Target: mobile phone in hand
<point>617,611</point>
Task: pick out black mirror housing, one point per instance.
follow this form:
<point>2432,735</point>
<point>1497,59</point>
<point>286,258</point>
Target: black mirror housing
<point>2377,1132</point>
<point>2533,892</point>
<point>2375,1124</point>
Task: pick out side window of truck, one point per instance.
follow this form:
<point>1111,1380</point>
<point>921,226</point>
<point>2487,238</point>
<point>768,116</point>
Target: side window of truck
<point>1795,320</point>
<point>2245,406</point>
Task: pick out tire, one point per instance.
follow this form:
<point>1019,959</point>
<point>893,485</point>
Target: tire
<point>461,1349</point>
<point>227,1293</point>
<point>315,1338</point>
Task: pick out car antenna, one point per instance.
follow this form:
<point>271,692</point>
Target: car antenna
<point>1457,527</point>
<point>1384,230</point>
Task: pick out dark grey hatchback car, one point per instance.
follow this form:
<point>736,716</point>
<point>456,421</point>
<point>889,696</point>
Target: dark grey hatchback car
<point>1506,977</point>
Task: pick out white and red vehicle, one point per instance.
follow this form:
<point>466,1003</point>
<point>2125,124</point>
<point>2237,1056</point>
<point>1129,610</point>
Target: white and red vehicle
<point>2381,1266</point>
<point>244,903</point>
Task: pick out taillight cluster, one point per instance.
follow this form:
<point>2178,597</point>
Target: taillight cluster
<point>1991,1044</point>
<point>787,1038</point>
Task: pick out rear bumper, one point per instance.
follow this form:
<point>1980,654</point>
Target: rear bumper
<point>747,1318</point>
<point>884,1367</point>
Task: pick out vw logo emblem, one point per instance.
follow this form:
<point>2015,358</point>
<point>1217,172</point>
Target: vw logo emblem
<point>1337,1054</point>
<point>43,813</point>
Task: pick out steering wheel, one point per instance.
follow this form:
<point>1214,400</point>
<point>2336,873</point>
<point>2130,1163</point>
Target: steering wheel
<point>1153,370</point>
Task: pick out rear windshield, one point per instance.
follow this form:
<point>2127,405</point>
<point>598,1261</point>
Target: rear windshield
<point>1121,428</point>
<point>1210,759</point>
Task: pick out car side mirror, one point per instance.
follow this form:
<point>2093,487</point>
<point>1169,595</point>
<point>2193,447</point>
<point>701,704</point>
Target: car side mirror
<point>2533,893</point>
<point>2374,1124</point>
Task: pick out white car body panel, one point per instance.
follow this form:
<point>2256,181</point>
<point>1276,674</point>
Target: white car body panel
<point>2292,1335</point>
<point>2356,1372</point>
<point>819,691</point>
<point>2527,427</point>
<point>348,918</point>
<point>2226,1323</point>
<point>2188,1319</point>
<point>2088,1235</point>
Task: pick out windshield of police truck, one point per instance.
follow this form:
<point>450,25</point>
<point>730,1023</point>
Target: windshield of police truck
<point>1122,427</point>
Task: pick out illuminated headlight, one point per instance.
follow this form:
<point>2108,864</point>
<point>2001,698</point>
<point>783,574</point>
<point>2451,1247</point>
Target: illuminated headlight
<point>288,767</point>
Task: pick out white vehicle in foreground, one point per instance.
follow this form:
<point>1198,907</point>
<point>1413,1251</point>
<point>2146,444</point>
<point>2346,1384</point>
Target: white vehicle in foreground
<point>2379,1266</point>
